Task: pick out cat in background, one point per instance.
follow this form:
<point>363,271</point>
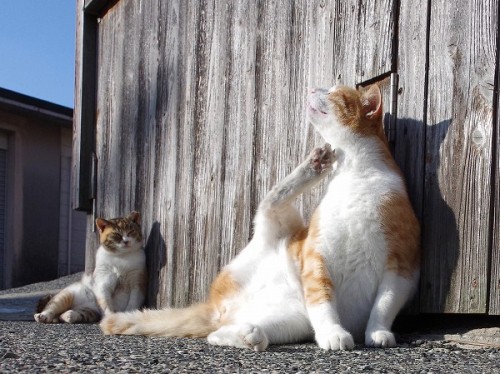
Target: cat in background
<point>341,279</point>
<point>118,282</point>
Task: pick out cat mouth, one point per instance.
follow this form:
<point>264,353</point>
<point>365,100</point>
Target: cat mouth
<point>315,110</point>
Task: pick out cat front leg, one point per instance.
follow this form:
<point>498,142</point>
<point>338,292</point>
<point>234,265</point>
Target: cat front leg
<point>303,177</point>
<point>276,216</point>
<point>103,290</point>
<point>136,299</point>
<point>319,295</point>
<point>393,292</point>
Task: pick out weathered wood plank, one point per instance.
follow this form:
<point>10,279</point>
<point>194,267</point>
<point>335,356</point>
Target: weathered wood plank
<point>166,141</point>
<point>374,25</point>
<point>214,35</point>
<point>184,250</point>
<point>494,285</point>
<point>239,114</point>
<point>410,122</point>
<point>456,213</point>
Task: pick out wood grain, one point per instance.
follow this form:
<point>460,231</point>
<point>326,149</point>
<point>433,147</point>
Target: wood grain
<point>494,284</point>
<point>456,213</point>
<point>200,110</point>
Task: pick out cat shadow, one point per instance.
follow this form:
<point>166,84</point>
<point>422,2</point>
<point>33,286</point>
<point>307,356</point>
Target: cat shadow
<point>156,260</point>
<point>439,236</point>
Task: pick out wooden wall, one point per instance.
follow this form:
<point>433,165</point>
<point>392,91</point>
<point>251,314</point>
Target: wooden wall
<point>200,110</point>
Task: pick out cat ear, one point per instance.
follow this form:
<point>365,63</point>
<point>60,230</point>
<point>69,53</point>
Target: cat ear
<point>371,100</point>
<point>135,217</point>
<point>101,224</point>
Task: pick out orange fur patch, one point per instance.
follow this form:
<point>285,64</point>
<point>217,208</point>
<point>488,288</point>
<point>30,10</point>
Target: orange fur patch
<point>348,106</point>
<point>103,236</point>
<point>402,232</point>
<point>316,282</point>
<point>223,286</point>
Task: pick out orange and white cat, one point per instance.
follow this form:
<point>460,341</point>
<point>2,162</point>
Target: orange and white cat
<point>118,282</point>
<point>342,278</point>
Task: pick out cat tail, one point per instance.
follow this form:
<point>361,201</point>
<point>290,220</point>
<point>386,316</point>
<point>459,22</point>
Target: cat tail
<point>195,321</point>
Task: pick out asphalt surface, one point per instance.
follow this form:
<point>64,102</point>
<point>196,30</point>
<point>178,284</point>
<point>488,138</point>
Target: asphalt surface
<point>29,347</point>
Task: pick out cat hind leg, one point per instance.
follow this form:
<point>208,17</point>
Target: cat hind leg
<point>240,336</point>
<point>56,305</point>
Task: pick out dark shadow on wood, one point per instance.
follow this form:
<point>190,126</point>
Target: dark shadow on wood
<point>440,236</point>
<point>155,261</point>
<point>416,147</point>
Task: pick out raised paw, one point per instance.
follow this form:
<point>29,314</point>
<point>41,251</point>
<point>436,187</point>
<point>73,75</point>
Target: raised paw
<point>321,159</point>
<point>335,339</point>
<point>380,339</point>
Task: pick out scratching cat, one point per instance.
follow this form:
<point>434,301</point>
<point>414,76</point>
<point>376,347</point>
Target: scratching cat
<point>118,282</point>
<point>341,279</point>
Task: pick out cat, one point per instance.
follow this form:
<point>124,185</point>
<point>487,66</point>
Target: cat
<point>118,282</point>
<point>343,278</point>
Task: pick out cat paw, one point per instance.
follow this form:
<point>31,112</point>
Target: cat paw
<point>240,336</point>
<point>321,159</point>
<point>44,317</point>
<point>335,339</point>
<point>254,338</point>
<point>380,339</point>
<point>70,316</point>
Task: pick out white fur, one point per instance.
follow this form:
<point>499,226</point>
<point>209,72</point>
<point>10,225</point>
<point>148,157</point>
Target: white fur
<point>352,241</point>
<point>121,268</point>
<point>352,244</point>
<point>271,301</point>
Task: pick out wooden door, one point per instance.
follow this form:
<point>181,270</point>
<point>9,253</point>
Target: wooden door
<point>199,110</point>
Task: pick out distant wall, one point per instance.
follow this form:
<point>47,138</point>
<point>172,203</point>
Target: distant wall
<point>32,246</point>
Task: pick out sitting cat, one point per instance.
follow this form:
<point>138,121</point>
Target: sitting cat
<point>346,275</point>
<point>118,282</point>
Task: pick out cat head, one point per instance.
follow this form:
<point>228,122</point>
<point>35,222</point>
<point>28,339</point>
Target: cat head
<point>342,108</point>
<point>121,235</point>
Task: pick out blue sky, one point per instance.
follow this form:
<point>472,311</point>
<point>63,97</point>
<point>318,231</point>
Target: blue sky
<point>37,48</point>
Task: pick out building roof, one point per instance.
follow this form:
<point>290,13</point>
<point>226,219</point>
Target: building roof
<point>27,105</point>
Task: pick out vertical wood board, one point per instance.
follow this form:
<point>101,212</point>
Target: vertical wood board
<point>458,157</point>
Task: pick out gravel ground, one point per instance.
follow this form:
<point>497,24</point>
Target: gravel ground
<point>28,347</point>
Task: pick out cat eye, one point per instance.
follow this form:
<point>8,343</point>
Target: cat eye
<point>116,237</point>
